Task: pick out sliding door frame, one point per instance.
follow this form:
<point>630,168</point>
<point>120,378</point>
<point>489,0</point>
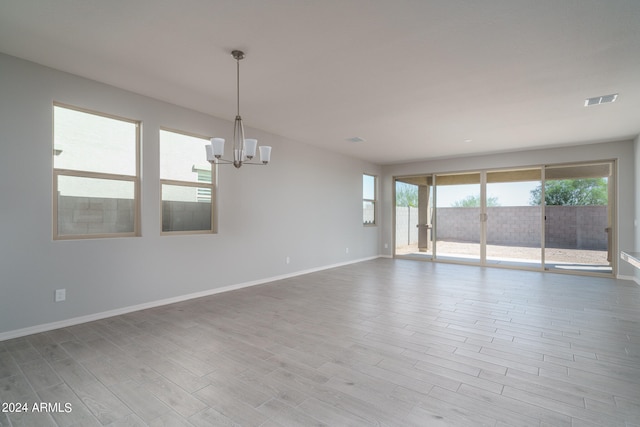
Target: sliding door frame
<point>611,212</point>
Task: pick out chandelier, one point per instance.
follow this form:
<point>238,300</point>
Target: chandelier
<point>244,150</point>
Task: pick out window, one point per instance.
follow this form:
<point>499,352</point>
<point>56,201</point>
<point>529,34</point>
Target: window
<point>188,184</point>
<point>369,199</point>
<point>95,174</point>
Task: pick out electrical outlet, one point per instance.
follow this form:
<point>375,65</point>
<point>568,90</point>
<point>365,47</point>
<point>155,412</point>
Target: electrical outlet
<point>287,260</point>
<point>346,251</point>
<point>386,246</point>
<point>60,295</point>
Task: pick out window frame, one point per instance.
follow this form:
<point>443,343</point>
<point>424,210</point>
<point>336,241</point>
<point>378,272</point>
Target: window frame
<point>57,172</point>
<point>213,186</point>
<point>373,201</point>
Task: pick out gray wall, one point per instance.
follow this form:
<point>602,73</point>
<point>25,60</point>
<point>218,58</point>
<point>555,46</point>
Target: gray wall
<point>636,221</point>
<point>623,151</point>
<point>306,205</point>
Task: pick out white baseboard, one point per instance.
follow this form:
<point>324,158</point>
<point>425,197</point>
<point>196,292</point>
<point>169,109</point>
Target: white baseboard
<point>116,312</point>
<point>630,278</point>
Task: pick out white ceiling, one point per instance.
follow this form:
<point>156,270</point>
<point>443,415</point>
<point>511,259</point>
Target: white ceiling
<point>414,78</point>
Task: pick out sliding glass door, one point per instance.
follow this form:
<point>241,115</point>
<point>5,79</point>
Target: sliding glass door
<point>514,218</point>
<point>578,228</point>
<point>414,216</point>
<point>548,217</point>
<point>458,234</point>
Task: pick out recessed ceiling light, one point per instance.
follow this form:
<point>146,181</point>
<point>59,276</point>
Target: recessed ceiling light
<point>466,141</point>
<point>597,100</point>
<point>356,139</point>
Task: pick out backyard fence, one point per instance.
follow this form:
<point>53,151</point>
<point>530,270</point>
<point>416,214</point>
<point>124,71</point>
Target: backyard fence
<point>97,215</point>
<point>571,227</point>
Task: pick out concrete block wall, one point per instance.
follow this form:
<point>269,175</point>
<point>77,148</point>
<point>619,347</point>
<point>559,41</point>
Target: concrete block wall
<point>93,215</point>
<point>185,216</point>
<point>592,223</point>
<point>515,226</point>
<point>560,227</point>
<point>580,227</point>
<point>575,227</point>
<point>458,224</point>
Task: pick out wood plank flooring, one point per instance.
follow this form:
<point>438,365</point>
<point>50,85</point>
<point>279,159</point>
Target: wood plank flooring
<point>383,342</point>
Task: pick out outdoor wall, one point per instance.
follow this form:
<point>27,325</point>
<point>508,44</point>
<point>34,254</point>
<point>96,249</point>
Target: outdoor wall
<point>458,224</point>
<point>406,225</point>
<point>94,215</point>
<point>99,215</point>
<point>622,151</point>
<point>571,227</point>
<point>306,205</point>
<point>576,227</point>
<point>514,225</point>
<point>185,216</point>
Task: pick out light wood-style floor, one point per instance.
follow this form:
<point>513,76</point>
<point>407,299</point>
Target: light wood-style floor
<point>383,342</point>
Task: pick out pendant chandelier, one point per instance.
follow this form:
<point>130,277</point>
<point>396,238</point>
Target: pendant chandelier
<point>244,150</point>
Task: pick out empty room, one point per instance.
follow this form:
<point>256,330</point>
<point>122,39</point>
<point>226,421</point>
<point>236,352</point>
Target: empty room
<point>319,213</point>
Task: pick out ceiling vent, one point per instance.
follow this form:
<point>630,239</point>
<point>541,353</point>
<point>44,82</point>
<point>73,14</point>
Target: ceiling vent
<point>605,99</point>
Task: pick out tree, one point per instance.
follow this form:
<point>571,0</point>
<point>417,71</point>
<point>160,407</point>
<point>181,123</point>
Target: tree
<point>406,195</point>
<point>474,202</point>
<point>586,191</point>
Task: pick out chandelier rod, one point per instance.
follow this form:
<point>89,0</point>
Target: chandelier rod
<point>238,84</point>
<point>238,55</point>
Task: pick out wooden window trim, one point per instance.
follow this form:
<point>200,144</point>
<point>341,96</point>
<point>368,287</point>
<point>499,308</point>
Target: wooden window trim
<point>213,185</point>
<point>373,201</point>
<point>98,175</point>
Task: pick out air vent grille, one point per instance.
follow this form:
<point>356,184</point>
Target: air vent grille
<point>597,100</point>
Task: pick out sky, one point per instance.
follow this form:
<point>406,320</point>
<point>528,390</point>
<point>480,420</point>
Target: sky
<point>508,194</point>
